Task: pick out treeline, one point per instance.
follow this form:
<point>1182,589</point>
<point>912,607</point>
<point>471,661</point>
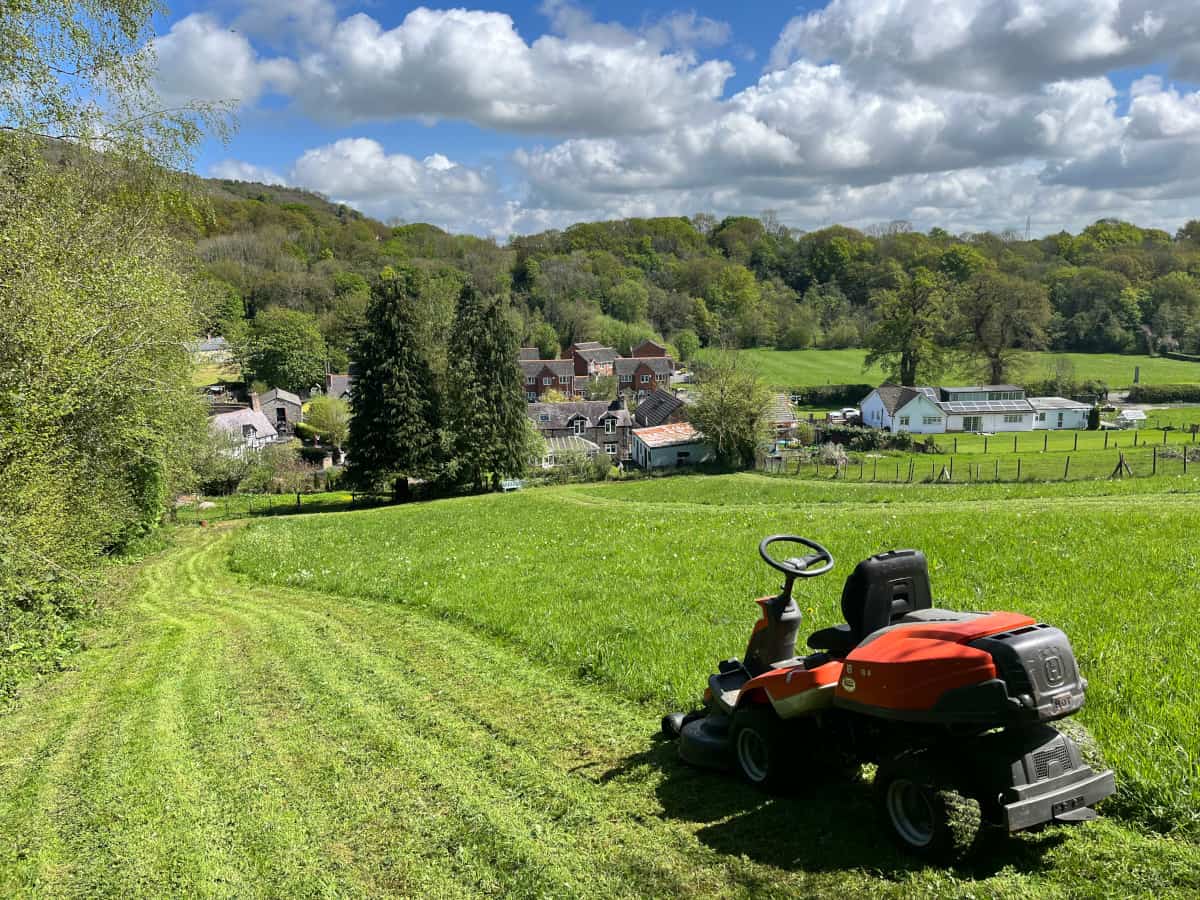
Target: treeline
<point>738,282</point>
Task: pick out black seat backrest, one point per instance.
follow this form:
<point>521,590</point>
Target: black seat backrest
<point>883,588</point>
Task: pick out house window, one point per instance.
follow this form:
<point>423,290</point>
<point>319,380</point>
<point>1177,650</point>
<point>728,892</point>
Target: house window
<point>547,380</point>
<point>248,431</point>
<point>531,379</point>
<point>531,396</point>
<point>544,417</point>
<point>904,421</point>
<point>1013,420</point>
<point>625,379</point>
<point>563,379</point>
<point>1060,420</point>
<point>610,449</point>
<point>931,420</point>
<point>579,425</point>
<point>972,423</point>
<point>610,426</point>
<point>1042,417</point>
<point>645,379</point>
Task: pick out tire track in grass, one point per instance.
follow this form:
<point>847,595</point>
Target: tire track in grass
<point>517,815</point>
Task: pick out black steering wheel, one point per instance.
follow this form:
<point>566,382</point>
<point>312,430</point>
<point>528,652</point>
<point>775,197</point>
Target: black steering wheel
<point>797,566</point>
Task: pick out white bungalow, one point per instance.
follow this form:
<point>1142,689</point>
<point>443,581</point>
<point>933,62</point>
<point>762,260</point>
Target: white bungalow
<point>1059,414</point>
<point>894,408</point>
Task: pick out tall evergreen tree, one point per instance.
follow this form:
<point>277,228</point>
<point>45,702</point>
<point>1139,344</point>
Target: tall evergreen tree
<point>486,407</point>
<point>394,433</point>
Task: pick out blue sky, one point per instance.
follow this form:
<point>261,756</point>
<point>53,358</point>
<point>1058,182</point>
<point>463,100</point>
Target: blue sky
<point>969,114</point>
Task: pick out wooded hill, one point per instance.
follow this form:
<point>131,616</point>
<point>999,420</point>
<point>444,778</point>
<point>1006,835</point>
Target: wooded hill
<point>1115,287</point>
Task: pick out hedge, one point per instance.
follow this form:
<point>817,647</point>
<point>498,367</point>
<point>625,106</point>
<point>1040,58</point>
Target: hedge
<point>831,394</point>
<point>1165,393</point>
<point>1182,357</point>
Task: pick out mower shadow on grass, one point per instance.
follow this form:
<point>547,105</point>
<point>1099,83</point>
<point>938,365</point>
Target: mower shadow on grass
<point>826,823</point>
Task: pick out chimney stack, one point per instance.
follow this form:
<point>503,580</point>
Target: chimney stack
<point>254,402</point>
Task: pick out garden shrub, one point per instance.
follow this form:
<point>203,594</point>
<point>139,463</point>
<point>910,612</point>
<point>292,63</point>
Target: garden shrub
<point>1165,393</point>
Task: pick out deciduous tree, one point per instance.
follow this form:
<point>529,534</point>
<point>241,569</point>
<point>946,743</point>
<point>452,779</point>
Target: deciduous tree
<point>910,322</point>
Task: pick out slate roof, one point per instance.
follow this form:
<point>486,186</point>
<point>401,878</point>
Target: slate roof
<point>979,388</point>
<point>556,366</point>
<point>657,408</point>
<point>668,435</point>
<point>279,394</point>
<point>529,353</point>
<point>659,365</point>
<point>598,355</point>
<point>560,415</point>
<point>587,345</point>
<point>650,343</point>
<point>216,344</point>
<point>895,396</point>
<point>233,422</point>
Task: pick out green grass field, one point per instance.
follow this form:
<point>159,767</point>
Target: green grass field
<point>796,368</point>
<point>459,698</point>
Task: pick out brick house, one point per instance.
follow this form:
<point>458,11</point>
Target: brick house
<point>642,376</point>
<point>594,362</point>
<point>647,349</point>
<point>606,424</point>
<point>541,375</point>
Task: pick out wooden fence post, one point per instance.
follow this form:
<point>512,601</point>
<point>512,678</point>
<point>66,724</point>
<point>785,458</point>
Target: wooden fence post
<point>1077,440</point>
<point>996,473</point>
<point>1018,468</point>
<point>1135,434</point>
<point>1014,443</point>
<point>1164,437</point>
<point>874,468</point>
<point>1154,463</point>
<point>1067,469</point>
<point>985,440</point>
<point>1106,440</point>
<point>956,444</point>
<point>897,471</point>
<point>1045,441</point>
<point>952,468</point>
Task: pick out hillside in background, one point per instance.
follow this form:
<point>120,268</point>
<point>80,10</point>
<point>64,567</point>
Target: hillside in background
<point>744,282</point>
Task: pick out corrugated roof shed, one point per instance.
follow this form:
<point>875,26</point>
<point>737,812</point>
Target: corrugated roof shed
<point>668,435</point>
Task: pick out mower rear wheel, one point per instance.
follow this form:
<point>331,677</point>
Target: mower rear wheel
<point>924,816</point>
<point>757,738</point>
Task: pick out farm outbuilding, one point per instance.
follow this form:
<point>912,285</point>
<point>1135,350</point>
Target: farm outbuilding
<point>668,446</point>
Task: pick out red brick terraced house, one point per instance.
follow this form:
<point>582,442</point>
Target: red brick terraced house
<point>642,376</point>
<point>648,348</point>
<point>541,375</point>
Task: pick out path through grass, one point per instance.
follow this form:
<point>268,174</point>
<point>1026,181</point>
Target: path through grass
<point>223,739</point>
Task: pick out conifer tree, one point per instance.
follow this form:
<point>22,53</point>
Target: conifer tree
<point>394,433</point>
<point>486,407</point>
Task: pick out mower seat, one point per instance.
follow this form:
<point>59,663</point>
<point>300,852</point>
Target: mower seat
<point>880,591</point>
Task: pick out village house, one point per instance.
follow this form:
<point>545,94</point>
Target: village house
<point>669,446</point>
<point>593,362</point>
<point>605,424</point>
<point>990,408</point>
<point>642,376</point>
<point>283,408</point>
<point>249,427</point>
<point>648,348</point>
<point>543,375</point>
<point>338,386</point>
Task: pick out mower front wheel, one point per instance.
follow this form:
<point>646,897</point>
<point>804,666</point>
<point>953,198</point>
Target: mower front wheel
<point>757,738</point>
<point>924,816</point>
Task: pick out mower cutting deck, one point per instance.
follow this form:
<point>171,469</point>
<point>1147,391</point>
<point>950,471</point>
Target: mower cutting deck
<point>953,707</point>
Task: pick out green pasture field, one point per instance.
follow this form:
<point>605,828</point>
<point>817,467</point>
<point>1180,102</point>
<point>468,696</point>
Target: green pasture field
<point>460,698</point>
<point>797,368</point>
<point>210,373</point>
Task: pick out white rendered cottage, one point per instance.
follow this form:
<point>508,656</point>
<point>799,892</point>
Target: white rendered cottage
<point>988,408</point>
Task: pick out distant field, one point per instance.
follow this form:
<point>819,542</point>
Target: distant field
<point>210,373</point>
<point>642,586</point>
<point>797,368</point>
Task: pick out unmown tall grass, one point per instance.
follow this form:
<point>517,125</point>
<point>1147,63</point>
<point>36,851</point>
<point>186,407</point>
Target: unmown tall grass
<point>643,587</point>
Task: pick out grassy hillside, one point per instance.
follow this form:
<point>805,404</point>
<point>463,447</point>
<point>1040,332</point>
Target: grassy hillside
<point>643,590</point>
<point>797,368</point>
<point>225,738</point>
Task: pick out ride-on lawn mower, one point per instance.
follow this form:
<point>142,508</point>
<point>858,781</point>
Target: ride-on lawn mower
<point>953,707</point>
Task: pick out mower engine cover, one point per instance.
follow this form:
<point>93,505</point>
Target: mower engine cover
<point>963,668</point>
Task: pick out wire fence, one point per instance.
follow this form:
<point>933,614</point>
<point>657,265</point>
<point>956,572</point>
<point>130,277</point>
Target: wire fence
<point>1069,465</point>
<point>195,510</point>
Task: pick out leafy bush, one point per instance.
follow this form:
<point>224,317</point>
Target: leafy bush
<point>1165,393</point>
<point>1051,387</point>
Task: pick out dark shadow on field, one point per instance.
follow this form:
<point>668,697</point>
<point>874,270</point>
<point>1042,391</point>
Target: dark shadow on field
<point>827,823</point>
